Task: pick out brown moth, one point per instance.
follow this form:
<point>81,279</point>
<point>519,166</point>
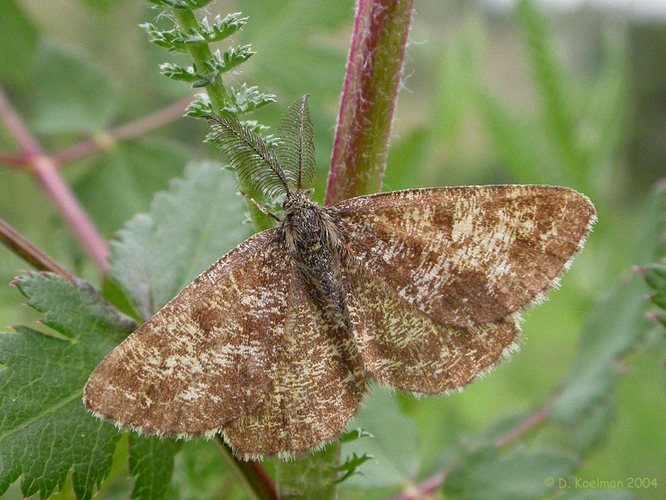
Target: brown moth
<point>273,345</point>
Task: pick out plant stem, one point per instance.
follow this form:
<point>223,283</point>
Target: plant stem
<point>128,130</point>
<point>524,426</point>
<point>528,424</point>
<point>368,100</point>
<point>29,252</point>
<point>12,160</point>
<point>46,172</point>
<point>218,94</point>
<point>253,474</point>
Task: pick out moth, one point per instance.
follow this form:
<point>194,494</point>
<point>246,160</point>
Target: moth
<point>274,344</point>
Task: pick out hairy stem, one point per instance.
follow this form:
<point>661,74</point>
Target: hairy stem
<point>29,252</point>
<point>218,93</point>
<point>253,474</point>
<point>368,100</point>
<point>46,173</point>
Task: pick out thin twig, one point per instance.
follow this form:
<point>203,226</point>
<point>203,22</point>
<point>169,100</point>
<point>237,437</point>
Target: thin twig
<point>12,160</point>
<point>422,490</point>
<point>46,172</point>
<point>126,131</point>
<point>526,425</point>
<point>29,252</point>
<point>253,474</point>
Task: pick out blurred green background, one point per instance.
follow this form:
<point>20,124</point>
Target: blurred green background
<point>488,95</point>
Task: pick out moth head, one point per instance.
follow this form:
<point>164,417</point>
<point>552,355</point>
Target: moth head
<point>298,201</point>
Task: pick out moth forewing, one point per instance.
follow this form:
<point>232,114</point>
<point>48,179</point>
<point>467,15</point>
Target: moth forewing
<point>468,255</point>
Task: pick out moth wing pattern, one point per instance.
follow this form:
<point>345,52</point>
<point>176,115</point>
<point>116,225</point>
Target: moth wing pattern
<point>319,384</point>
<point>206,357</point>
<point>405,348</point>
<point>467,255</point>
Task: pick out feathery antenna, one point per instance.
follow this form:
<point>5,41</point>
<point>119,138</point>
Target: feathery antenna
<point>253,159</point>
<point>296,151</point>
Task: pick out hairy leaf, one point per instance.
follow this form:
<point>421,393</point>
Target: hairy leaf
<point>238,102</point>
<point>193,224</point>
<point>45,432</point>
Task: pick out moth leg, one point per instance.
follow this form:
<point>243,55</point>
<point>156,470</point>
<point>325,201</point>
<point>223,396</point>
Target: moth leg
<point>261,208</point>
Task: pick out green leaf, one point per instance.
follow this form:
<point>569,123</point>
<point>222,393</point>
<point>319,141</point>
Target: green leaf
<point>394,446</point>
<point>514,474</point>
<point>128,177</point>
<point>45,431</point>
<point>151,461</point>
<point>187,229</point>
<point>238,102</point>
<point>222,63</point>
<point>176,72</point>
<point>613,328</point>
<point>18,39</point>
<point>79,96</point>
<point>351,466</point>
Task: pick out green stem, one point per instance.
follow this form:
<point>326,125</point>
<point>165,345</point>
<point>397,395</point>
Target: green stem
<point>217,93</point>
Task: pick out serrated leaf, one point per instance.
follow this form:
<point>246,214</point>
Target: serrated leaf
<point>238,102</point>
<point>45,431</point>
<point>232,57</point>
<point>79,96</point>
<point>350,436</point>
<point>518,473</point>
<point>180,73</point>
<point>189,227</point>
<point>219,30</point>
<point>151,462</point>
<point>394,445</point>
<point>128,177</point>
<point>613,327</point>
<point>18,39</point>
<point>351,465</point>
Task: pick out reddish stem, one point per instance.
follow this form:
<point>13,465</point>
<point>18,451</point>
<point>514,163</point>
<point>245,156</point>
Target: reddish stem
<point>368,99</point>
<point>523,427</point>
<point>29,252</point>
<point>46,172</point>
<point>126,131</point>
<point>13,160</point>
